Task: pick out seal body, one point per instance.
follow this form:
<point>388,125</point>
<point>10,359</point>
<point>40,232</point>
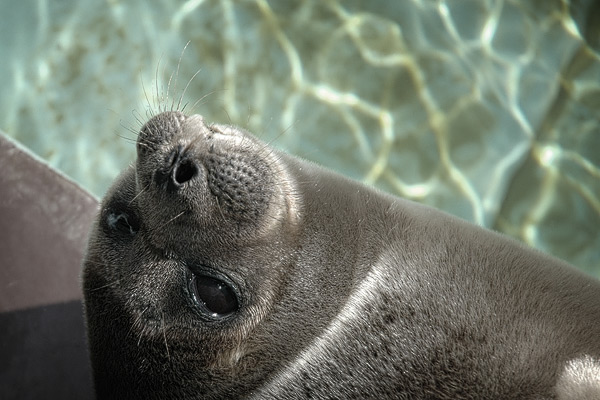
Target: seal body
<point>219,267</point>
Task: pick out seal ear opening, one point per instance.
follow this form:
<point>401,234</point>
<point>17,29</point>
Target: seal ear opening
<point>215,298</point>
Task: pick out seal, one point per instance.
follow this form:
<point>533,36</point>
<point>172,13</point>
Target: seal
<point>219,267</point>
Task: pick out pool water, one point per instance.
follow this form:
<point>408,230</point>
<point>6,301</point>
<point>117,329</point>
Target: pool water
<point>489,110</point>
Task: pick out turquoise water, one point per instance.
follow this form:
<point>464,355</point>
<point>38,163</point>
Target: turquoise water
<point>487,109</point>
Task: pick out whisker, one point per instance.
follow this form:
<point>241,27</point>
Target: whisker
<point>177,75</point>
<point>166,96</point>
<point>171,220</point>
<point>228,116</point>
<point>110,284</point>
<point>156,83</point>
<point>186,88</point>
<point>197,102</point>
<point>138,323</point>
<point>219,208</point>
<point>283,132</point>
<point>162,323</point>
<point>138,118</point>
<point>127,139</point>
<point>138,194</point>
<point>147,101</point>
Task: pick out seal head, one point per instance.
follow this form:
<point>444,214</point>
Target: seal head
<point>188,255</point>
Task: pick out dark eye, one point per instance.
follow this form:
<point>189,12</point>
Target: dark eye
<point>215,296</point>
<point>122,222</point>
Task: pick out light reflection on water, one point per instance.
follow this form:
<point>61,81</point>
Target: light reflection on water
<point>487,109</point>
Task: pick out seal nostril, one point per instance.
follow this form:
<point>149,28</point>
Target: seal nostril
<point>184,172</point>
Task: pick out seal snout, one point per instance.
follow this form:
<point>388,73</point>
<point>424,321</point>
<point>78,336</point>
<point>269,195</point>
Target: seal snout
<point>216,170</point>
<point>167,153</point>
<point>158,131</point>
<point>181,170</point>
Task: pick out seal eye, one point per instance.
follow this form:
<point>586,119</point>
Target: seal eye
<point>122,223</point>
<point>215,296</point>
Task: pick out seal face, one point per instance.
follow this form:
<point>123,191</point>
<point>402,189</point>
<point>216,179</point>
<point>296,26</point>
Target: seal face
<point>187,255</point>
<point>219,267</point>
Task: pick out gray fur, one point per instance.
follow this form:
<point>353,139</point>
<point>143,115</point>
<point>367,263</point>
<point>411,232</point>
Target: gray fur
<point>344,291</point>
